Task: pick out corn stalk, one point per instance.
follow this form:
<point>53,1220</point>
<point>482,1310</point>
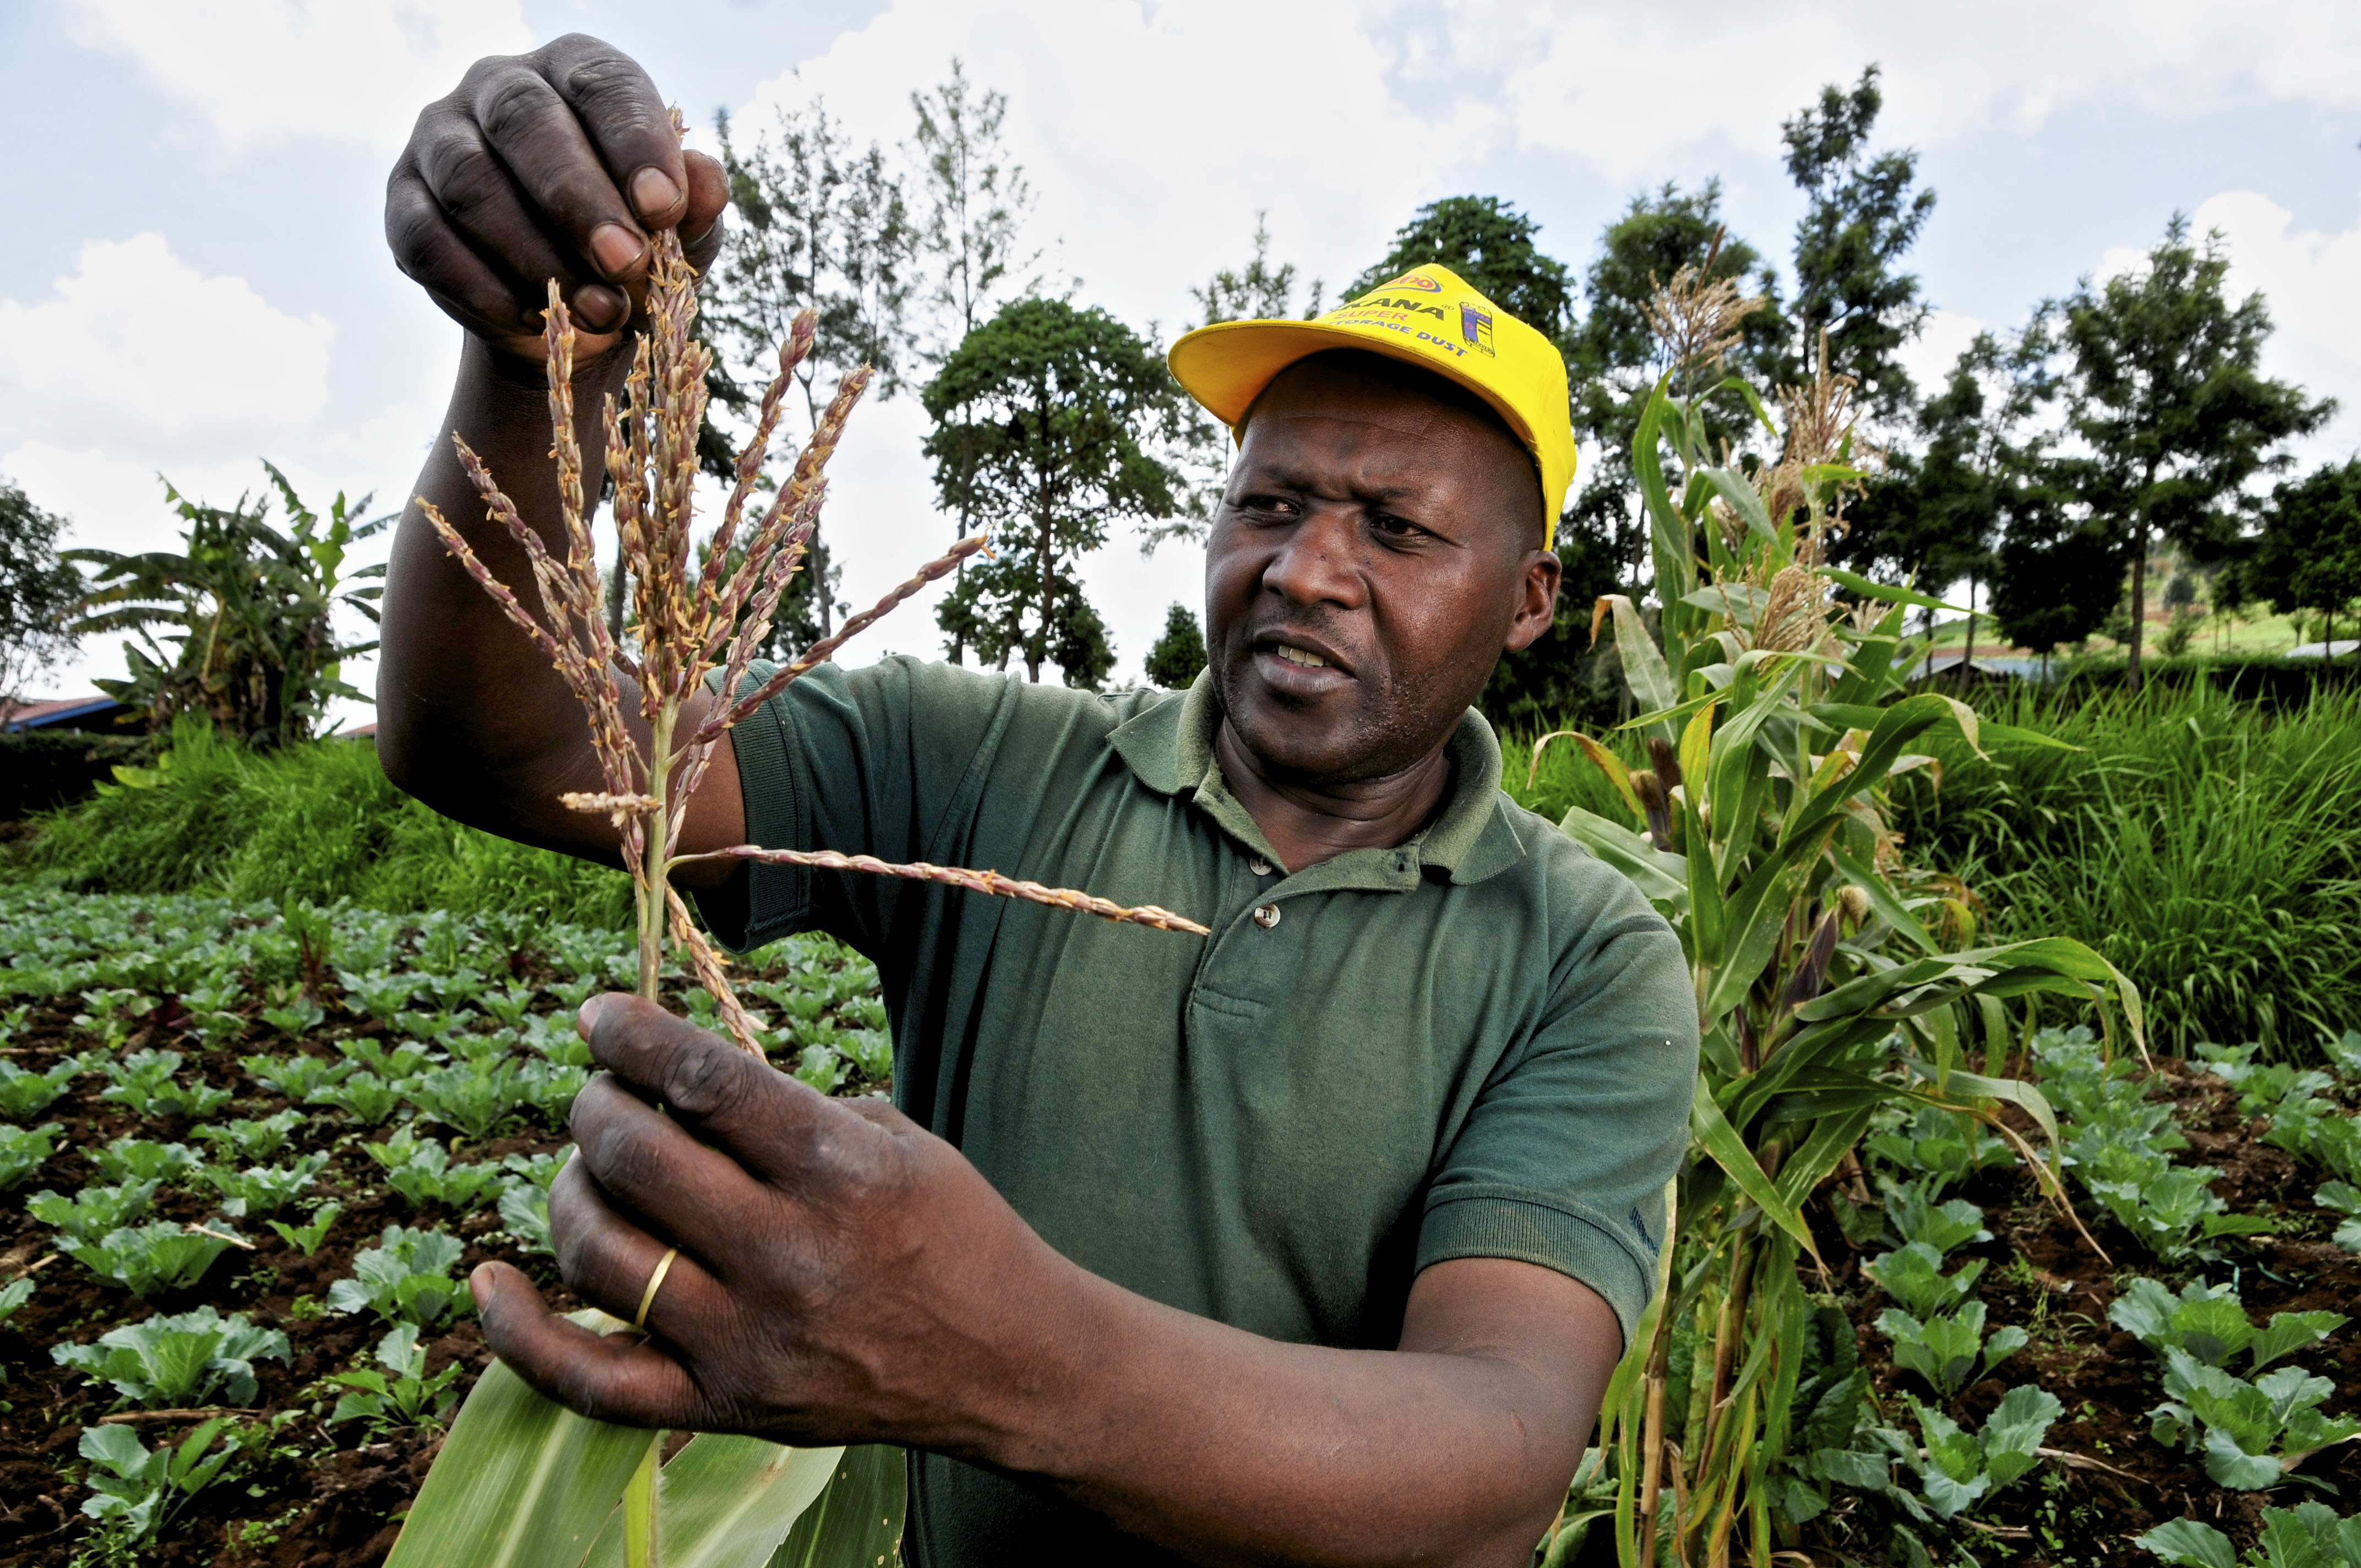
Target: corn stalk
<point>698,625</point>
<point>1830,979</point>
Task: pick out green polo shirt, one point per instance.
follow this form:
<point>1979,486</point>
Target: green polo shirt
<point>1478,1044</point>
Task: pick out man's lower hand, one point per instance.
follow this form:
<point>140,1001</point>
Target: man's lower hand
<point>843,1275</point>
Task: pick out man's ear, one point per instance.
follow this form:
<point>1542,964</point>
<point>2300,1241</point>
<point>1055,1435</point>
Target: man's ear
<point>1537,584</point>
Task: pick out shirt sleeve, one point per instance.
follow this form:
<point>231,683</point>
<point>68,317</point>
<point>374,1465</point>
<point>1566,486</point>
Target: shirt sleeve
<point>1565,1158</point>
<point>884,761</point>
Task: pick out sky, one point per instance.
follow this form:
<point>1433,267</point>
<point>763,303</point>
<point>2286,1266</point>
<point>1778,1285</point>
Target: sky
<point>197,277</point>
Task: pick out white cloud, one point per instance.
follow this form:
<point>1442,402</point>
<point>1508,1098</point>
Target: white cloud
<point>1634,91</point>
<point>2310,280</point>
<point>137,351</point>
<point>1155,133</point>
<point>259,72</point>
<point>1930,356</point>
<point>137,365</point>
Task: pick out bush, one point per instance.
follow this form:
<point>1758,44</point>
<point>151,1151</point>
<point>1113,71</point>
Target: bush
<point>317,821</point>
<point>41,770</point>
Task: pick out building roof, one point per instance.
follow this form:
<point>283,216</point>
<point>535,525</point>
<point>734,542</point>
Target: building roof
<point>64,711</point>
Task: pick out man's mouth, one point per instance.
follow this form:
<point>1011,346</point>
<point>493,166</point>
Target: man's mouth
<point>1303,657</point>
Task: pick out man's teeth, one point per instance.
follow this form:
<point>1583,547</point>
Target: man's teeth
<point>1302,656</point>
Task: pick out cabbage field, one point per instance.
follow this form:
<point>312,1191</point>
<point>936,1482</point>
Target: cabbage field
<point>247,1155</point>
<point>250,1154</point>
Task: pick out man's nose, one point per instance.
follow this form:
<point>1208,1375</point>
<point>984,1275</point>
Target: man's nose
<point>1318,562</point>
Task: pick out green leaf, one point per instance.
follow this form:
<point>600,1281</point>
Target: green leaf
<point>1714,1133</point>
<point>1886,593</point>
<point>857,1522</point>
<point>521,1480</point>
<point>1644,665</point>
<point>1661,875</point>
<point>2190,1544</point>
<point>724,1501</point>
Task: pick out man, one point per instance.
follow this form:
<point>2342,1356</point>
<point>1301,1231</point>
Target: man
<point>1314,1241</point>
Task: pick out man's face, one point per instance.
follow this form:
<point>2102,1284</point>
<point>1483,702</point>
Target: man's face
<point>1375,550</point>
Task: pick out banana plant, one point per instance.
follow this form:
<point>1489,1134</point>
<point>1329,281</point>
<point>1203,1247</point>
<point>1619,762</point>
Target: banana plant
<point>1831,979</point>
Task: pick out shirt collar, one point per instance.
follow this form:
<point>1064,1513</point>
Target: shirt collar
<point>1169,746</point>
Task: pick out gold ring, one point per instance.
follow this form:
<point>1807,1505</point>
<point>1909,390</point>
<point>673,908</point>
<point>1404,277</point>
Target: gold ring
<point>655,1281</point>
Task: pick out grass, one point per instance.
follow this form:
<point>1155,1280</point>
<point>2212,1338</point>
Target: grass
<point>317,822</point>
<point>2211,849</point>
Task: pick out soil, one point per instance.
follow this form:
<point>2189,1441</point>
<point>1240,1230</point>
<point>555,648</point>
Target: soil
<point>317,1496</point>
<point>330,1496</point>
<point>2119,1482</point>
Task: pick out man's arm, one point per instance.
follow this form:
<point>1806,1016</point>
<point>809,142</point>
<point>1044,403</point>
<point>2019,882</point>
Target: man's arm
<point>556,164</point>
<point>845,1276</point>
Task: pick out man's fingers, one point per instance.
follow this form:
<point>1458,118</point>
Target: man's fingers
<point>608,1261</point>
<point>708,195</point>
<point>432,253</point>
<point>619,1378</point>
<point>767,1120</point>
<point>649,1164</point>
<point>621,112</point>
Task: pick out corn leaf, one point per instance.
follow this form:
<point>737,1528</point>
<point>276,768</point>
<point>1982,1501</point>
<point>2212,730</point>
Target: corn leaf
<point>1714,1133</point>
<point>726,1502</point>
<point>857,1522</point>
<point>1663,876</point>
<point>1854,582</point>
<point>521,1481</point>
<point>1644,665</point>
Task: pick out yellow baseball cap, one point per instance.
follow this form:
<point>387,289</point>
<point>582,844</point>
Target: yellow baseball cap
<point>1428,316</point>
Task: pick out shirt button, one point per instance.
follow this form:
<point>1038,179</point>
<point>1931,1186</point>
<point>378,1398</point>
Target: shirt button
<point>1260,866</point>
<point>1266,915</point>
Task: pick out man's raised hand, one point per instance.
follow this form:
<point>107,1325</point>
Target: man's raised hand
<point>553,164</point>
<point>842,1273</point>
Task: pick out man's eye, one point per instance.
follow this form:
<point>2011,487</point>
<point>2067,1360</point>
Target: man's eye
<point>1394,527</point>
<point>1276,506</point>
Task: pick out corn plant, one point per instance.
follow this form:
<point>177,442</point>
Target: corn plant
<point>698,625</point>
<point>1831,980</point>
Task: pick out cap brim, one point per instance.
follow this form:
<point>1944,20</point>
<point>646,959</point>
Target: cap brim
<point>1226,366</point>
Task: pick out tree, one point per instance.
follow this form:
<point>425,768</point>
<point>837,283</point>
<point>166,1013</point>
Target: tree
<point>1048,422</point>
<point>823,225</point>
<point>2308,555</point>
<point>38,591</point>
<point>2168,399</point>
<point>1179,656</point>
<point>248,609</point>
<point>1862,216</point>
<point>972,208</point>
<point>2056,578</point>
<point>1489,244</point>
<point>1938,516</point>
<point>1257,291</point>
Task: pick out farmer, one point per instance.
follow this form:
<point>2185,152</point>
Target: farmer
<point>1314,1240</point>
